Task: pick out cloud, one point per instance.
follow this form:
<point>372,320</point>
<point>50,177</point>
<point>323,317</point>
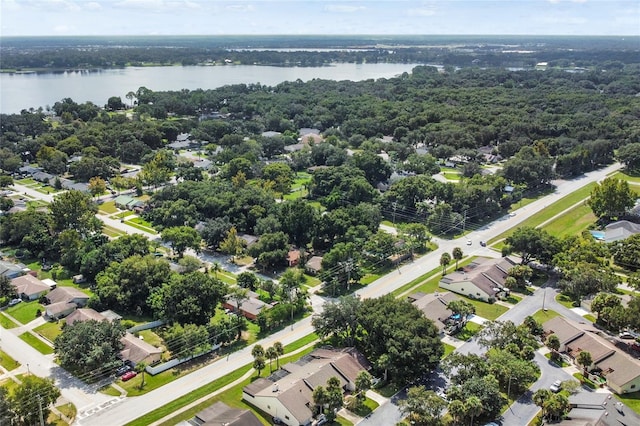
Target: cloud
<point>343,8</point>
<point>422,11</point>
<point>93,5</point>
<point>240,8</point>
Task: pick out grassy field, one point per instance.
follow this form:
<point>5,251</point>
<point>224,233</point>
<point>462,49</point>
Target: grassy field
<point>623,175</point>
<point>49,330</point>
<point>25,312</point>
<point>109,207</point>
<point>447,350</point>
<point>36,343</point>
<point>141,224</point>
<point>487,310</point>
<point>470,330</point>
<point>111,232</point>
<point>549,211</point>
<point>7,362</point>
<point>564,301</point>
<point>574,222</point>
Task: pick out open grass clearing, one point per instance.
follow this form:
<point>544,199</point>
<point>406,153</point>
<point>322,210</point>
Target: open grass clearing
<point>7,362</point>
<point>25,312</point>
<point>132,222</point>
<point>36,343</point>
<point>564,300</point>
<point>448,349</point>
<point>366,408</point>
<point>628,176</point>
<point>109,207</point>
<point>151,338</point>
<point>469,330</point>
<point>489,311</point>
<point>112,232</point>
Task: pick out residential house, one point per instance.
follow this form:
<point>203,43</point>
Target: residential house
<point>29,287</point>
<point>288,393</point>
<point>250,308</point>
<point>620,370</point>
<point>84,314</point>
<point>43,177</point>
<point>12,270</point>
<point>293,257</point>
<point>620,230</point>
<point>314,265</point>
<point>434,307</point>
<point>482,279</point>
<point>220,414</point>
<point>598,409</point>
<point>137,350</point>
<point>125,202</point>
<point>248,239</point>
<point>64,300</point>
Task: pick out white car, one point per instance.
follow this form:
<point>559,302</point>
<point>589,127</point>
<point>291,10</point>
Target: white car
<point>468,242</point>
<point>556,386</point>
<point>14,302</point>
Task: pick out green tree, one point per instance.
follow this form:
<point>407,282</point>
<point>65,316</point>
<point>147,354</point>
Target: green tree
<point>462,308</point>
<point>522,274</point>
<point>32,398</point>
<point>232,244</point>
<point>7,416</point>
<point>89,345</point>
<point>533,243</point>
<point>141,368</point>
<point>259,363</point>
<point>75,210</point>
<point>257,351</point>
<point>271,354</point>
<point>540,398</point>
<point>630,155</point>
<point>281,175</point>
<point>557,406</point>
<point>7,291</point>
<point>181,238</point>
<point>585,360</point>
<point>186,341</point>
<point>338,319</point>
<point>279,352</point>
<point>553,343</point>
<point>611,198</point>
<point>238,295</point>
<point>457,254</point>
<point>626,253</point>
<point>364,381</point>
<point>320,398</point>
<point>97,186</point>
<point>604,300</point>
<point>473,407</point>
<point>334,397</point>
<point>423,407</point>
<point>445,260</point>
<point>190,298</point>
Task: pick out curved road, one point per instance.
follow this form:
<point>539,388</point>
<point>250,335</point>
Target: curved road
<point>134,407</point>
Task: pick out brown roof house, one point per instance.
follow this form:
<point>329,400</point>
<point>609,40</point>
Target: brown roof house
<point>434,307</point>
<point>620,370</point>
<point>288,393</point>
<point>137,350</point>
<point>220,414</point>
<point>64,300</point>
<point>29,287</point>
<point>482,279</point>
<point>250,308</point>
<point>84,314</point>
<point>314,265</point>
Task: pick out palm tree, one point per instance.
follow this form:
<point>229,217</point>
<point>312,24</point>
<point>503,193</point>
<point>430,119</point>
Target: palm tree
<point>457,255</point>
<point>216,267</point>
<point>320,398</point>
<point>140,369</point>
<point>271,354</point>
<point>473,406</point>
<point>445,260</point>
<point>257,351</point>
<point>258,364</point>
<point>279,351</point>
<point>457,410</point>
<point>553,343</point>
<point>540,398</point>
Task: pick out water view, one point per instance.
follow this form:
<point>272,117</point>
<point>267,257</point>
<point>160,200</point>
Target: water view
<point>34,90</point>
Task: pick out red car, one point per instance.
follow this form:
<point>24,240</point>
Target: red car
<point>128,375</point>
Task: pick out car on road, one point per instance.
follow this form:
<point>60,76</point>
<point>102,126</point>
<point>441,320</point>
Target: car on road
<point>14,302</point>
<point>512,214</point>
<point>468,242</point>
<point>556,386</point>
<point>626,335</point>
<point>483,243</point>
<point>128,375</point>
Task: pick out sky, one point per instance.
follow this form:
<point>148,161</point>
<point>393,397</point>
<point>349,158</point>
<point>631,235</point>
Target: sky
<point>291,17</point>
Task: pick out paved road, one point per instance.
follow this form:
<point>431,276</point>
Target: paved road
<point>132,408</point>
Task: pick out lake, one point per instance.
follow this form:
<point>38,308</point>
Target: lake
<point>34,90</point>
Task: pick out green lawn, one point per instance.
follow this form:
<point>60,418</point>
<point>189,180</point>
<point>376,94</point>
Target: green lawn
<point>25,312</point>
<point>447,350</point>
<point>564,300</point>
<point>36,343</point>
<point>549,211</point>
<point>144,226</point>
<point>470,330</point>
<point>542,316</point>
<point>489,311</point>
<point>225,276</point>
<point>151,338</point>
<point>366,408</point>
<point>451,175</point>
<point>7,362</point>
<point>624,175</point>
<point>150,382</point>
<point>49,330</point>
<point>573,222</point>
<point>6,322</point>
<point>109,207</point>
<point>112,232</point>
<point>295,194</point>
<point>590,317</point>
<point>631,399</point>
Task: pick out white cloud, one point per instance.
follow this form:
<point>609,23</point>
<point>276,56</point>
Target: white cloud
<point>343,8</point>
<point>241,7</point>
<point>422,11</point>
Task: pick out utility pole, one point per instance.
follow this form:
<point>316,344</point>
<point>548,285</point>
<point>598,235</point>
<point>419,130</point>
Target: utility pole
<point>395,206</point>
<point>40,407</point>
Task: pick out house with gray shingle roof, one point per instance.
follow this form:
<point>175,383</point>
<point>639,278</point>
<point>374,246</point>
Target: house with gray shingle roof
<point>482,279</point>
<point>29,287</point>
<point>288,393</point>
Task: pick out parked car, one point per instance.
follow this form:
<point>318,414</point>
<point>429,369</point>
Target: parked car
<point>122,369</point>
<point>128,375</point>
<point>626,335</point>
<point>483,243</point>
<point>468,242</point>
<point>14,302</point>
<point>556,386</point>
